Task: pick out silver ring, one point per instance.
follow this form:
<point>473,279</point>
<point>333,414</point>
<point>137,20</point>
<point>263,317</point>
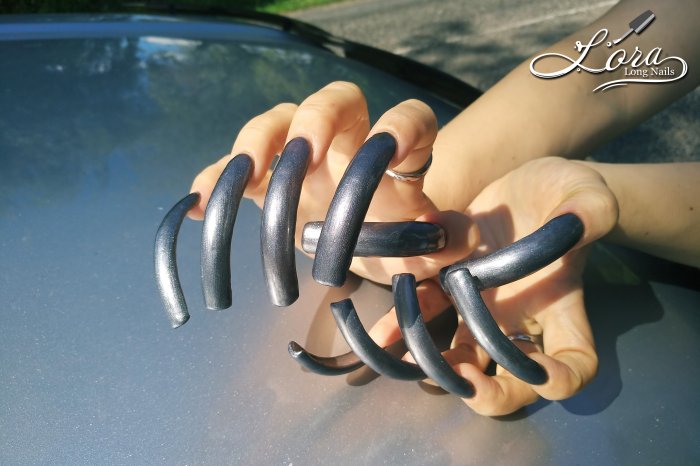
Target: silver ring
<point>412,176</point>
<point>535,340</point>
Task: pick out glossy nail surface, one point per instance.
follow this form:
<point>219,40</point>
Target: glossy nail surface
<point>324,365</point>
<point>385,239</point>
<point>419,342</point>
<point>166,261</point>
<point>476,315</point>
<point>279,219</point>
<point>219,218</point>
<point>525,256</point>
<point>348,208</point>
<point>366,349</point>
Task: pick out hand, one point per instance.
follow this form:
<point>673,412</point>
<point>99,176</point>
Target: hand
<point>335,122</point>
<point>548,303</point>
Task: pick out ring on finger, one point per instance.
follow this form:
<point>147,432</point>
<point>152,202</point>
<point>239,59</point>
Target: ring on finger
<point>527,338</point>
<point>411,176</point>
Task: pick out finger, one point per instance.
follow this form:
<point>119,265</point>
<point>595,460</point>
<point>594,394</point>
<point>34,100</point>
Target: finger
<point>590,199</point>
<point>432,301</point>
<point>570,360</point>
<point>337,114</point>
<point>261,138</point>
<point>465,349</point>
<point>414,126</point>
<point>498,395</point>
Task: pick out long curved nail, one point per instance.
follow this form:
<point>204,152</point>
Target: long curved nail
<point>476,315</point>
<point>525,256</point>
<point>366,349</point>
<point>331,365</point>
<point>165,259</point>
<point>418,339</point>
<point>348,209</point>
<point>217,230</point>
<point>385,239</point>
<point>279,220</point>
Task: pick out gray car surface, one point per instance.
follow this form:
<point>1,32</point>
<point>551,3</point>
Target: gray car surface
<point>104,122</point>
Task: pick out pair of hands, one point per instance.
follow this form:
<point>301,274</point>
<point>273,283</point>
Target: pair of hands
<point>549,303</point>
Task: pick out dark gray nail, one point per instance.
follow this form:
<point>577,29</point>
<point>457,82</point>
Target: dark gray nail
<point>217,230</point>
<point>333,365</point>
<point>476,315</point>
<point>525,256</point>
<point>366,349</point>
<point>386,239</point>
<point>279,220</point>
<point>348,209</point>
<point>419,342</point>
<point>166,261</point>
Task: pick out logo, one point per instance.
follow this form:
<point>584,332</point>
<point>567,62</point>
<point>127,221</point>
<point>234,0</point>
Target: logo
<point>638,67</point>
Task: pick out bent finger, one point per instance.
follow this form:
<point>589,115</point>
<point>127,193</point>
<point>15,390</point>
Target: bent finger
<point>261,138</point>
<point>592,201</point>
<point>495,395</point>
<point>337,114</point>
<point>465,349</point>
<point>570,358</point>
<point>414,126</point>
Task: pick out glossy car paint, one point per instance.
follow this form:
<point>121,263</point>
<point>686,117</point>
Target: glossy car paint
<point>105,121</point>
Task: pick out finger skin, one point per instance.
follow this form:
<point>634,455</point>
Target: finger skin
<point>414,126</point>
<point>593,202</point>
<point>261,138</point>
<point>570,360</point>
<point>497,395</point>
<point>337,114</point>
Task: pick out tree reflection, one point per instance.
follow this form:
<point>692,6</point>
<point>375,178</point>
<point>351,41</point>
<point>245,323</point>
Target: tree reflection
<point>164,107</point>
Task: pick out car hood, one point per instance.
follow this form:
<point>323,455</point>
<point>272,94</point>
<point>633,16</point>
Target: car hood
<point>105,121</point>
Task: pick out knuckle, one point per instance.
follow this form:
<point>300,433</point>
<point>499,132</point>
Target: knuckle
<point>205,180</point>
<point>320,115</point>
<point>420,106</point>
<point>284,108</point>
<point>346,86</point>
<point>576,377</point>
<point>413,114</point>
<point>260,125</point>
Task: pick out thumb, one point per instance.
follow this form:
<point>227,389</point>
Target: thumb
<point>592,201</point>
